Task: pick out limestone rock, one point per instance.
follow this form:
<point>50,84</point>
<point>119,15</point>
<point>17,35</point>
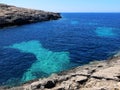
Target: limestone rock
<point>102,75</point>
<point>11,15</point>
<point>111,73</point>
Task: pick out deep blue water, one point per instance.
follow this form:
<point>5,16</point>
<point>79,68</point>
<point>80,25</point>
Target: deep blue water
<point>37,50</point>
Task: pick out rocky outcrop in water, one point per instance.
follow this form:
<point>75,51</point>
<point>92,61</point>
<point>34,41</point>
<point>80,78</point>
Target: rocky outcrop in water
<point>99,75</point>
<point>11,15</point>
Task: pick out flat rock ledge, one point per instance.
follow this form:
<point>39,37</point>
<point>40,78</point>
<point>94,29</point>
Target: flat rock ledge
<point>12,16</point>
<point>98,75</point>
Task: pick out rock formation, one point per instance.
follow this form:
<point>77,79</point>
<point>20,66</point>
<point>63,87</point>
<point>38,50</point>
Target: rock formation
<point>11,15</point>
<point>98,75</point>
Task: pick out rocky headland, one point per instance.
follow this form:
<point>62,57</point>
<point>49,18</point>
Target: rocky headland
<point>98,75</point>
<point>12,16</point>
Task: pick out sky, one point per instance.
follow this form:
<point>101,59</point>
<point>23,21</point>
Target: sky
<point>68,5</point>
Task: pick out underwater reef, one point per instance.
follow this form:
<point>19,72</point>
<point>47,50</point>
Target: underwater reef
<point>97,75</point>
<point>12,16</point>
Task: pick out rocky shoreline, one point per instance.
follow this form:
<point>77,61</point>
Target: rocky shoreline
<point>98,75</point>
<point>12,16</point>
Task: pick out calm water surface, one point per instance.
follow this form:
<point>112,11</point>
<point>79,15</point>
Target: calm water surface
<point>38,50</point>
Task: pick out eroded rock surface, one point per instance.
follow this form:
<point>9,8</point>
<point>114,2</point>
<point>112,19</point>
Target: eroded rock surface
<point>99,75</point>
<point>11,15</point>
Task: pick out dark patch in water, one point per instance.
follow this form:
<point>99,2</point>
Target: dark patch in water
<point>75,33</point>
<point>13,64</point>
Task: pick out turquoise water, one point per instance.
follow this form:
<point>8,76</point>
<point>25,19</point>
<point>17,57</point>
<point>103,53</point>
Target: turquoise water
<point>38,50</point>
<point>74,22</point>
<point>105,32</point>
<point>47,61</point>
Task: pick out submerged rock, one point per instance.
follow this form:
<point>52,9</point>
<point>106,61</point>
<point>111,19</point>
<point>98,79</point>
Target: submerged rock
<point>11,15</point>
<point>99,75</point>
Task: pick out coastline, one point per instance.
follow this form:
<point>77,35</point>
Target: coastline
<point>98,75</point>
<point>15,16</point>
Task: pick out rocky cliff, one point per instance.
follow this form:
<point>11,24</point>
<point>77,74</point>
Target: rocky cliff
<point>11,15</point>
<point>99,75</point>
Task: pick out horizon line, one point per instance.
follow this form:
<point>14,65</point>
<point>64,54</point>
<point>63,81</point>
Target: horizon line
<point>85,12</point>
<point>63,11</point>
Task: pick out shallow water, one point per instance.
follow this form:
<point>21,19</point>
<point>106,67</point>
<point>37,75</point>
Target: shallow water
<point>38,50</point>
<point>47,61</point>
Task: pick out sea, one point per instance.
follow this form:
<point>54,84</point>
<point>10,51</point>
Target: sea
<point>40,49</point>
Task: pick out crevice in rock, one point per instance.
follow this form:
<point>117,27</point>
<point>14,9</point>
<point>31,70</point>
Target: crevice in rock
<point>38,86</point>
<point>60,89</point>
<point>82,82</point>
<point>104,78</point>
<point>50,84</point>
<point>97,77</point>
<point>118,77</point>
